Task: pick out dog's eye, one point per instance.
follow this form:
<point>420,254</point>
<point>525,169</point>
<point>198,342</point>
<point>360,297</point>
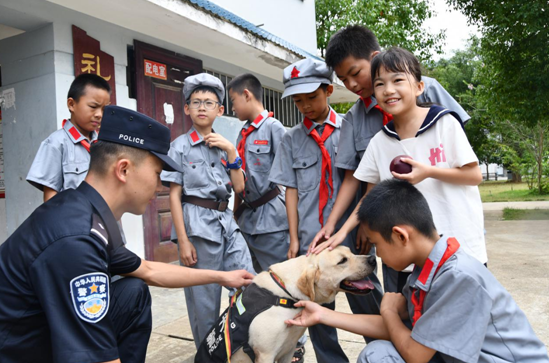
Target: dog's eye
<point>343,260</point>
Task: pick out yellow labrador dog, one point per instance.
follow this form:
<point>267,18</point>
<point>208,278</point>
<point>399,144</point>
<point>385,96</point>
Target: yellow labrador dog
<point>271,297</point>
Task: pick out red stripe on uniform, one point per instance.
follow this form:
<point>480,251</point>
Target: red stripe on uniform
<point>194,136</point>
<point>426,271</point>
<point>74,132</point>
<point>333,116</point>
<point>418,301</point>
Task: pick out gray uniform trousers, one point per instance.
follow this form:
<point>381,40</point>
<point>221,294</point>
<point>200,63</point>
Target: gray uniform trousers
<point>204,302</point>
<point>383,351</point>
<point>394,281</point>
<point>268,248</point>
<point>368,304</point>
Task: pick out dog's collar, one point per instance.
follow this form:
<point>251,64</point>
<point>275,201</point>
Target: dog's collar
<point>279,282</point>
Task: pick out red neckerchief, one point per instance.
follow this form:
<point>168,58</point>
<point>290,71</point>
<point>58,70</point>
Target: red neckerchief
<point>76,134</point>
<point>245,132</point>
<point>326,190</point>
<point>453,246</point>
<point>386,116</point>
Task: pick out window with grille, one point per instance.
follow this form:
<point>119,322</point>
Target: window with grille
<point>284,109</point>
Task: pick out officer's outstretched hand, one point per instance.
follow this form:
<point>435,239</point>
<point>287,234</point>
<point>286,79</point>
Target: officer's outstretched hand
<point>236,279</point>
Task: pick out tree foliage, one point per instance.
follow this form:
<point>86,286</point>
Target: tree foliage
<point>395,22</point>
<point>514,78</point>
<point>514,47</point>
<point>458,75</point>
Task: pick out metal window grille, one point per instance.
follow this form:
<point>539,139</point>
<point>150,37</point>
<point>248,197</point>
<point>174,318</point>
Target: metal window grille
<point>283,109</point>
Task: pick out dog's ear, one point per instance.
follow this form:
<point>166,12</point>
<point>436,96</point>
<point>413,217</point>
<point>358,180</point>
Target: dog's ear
<point>307,280</point>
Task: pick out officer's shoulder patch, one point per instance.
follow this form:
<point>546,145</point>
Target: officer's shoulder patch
<point>90,296</point>
<point>98,229</point>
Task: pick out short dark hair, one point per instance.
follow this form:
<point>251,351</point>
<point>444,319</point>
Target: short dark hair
<point>396,202</point>
<point>396,59</point>
<point>324,86</point>
<point>103,153</point>
<point>353,40</point>
<point>204,89</point>
<point>247,81</point>
<point>78,86</point>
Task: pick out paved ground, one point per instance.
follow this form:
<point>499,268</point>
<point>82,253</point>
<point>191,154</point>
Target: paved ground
<point>498,206</point>
<point>519,258</point>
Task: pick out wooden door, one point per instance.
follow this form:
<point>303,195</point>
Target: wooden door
<point>160,95</point>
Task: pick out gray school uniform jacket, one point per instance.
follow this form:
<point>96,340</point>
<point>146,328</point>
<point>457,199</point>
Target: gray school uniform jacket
<point>361,123</point>
<point>298,164</point>
<point>61,161</point>
<point>261,146</point>
<point>204,176</point>
<point>468,316</point>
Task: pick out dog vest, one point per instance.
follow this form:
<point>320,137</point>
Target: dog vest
<point>231,331</point>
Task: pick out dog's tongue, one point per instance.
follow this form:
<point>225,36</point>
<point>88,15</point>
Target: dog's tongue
<point>362,284</point>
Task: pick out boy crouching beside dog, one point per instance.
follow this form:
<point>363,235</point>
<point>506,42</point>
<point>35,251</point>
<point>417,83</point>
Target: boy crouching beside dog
<point>458,311</point>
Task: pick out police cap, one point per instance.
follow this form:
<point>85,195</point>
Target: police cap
<point>127,127</point>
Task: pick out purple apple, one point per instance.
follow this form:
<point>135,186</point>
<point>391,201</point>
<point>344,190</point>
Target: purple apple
<point>400,167</point>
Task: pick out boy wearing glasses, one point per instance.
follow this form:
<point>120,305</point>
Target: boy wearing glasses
<point>205,230</point>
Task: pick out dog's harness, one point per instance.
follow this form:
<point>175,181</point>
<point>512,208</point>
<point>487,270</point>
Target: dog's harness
<point>231,331</point>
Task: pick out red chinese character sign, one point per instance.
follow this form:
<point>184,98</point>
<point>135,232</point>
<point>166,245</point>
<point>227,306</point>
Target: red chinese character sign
<point>89,58</point>
<point>155,70</point>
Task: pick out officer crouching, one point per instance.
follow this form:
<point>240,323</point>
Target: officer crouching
<point>57,300</point>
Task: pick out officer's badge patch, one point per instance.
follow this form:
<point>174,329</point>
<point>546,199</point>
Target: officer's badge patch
<point>90,296</point>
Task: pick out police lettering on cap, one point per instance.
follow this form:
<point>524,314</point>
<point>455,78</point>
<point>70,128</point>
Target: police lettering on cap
<point>127,127</point>
<point>203,80</point>
<point>305,76</point>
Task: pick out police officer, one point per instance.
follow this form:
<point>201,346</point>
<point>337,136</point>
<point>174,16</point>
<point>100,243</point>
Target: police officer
<point>58,304</point>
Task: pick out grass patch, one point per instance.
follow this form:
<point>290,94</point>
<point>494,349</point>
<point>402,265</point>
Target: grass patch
<point>502,191</point>
<point>510,214</point>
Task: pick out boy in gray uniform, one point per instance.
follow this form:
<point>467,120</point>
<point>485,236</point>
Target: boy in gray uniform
<point>349,53</point>
<point>205,230</point>
<point>304,164</point>
<point>63,159</point>
<point>458,311</point>
<point>259,209</point>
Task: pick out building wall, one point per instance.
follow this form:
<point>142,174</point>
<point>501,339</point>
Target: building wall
<point>291,20</point>
<point>28,71</point>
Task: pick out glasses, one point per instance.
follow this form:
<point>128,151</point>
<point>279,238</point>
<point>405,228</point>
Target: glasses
<point>208,104</point>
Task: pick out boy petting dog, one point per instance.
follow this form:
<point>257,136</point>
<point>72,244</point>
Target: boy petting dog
<point>457,310</point>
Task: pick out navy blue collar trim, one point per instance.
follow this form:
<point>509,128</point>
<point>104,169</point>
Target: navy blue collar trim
<point>435,113</point>
<point>103,210</point>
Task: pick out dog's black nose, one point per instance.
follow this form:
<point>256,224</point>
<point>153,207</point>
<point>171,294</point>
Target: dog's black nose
<point>371,261</point>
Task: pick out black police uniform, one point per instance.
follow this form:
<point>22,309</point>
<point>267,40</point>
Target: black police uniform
<point>56,300</point>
